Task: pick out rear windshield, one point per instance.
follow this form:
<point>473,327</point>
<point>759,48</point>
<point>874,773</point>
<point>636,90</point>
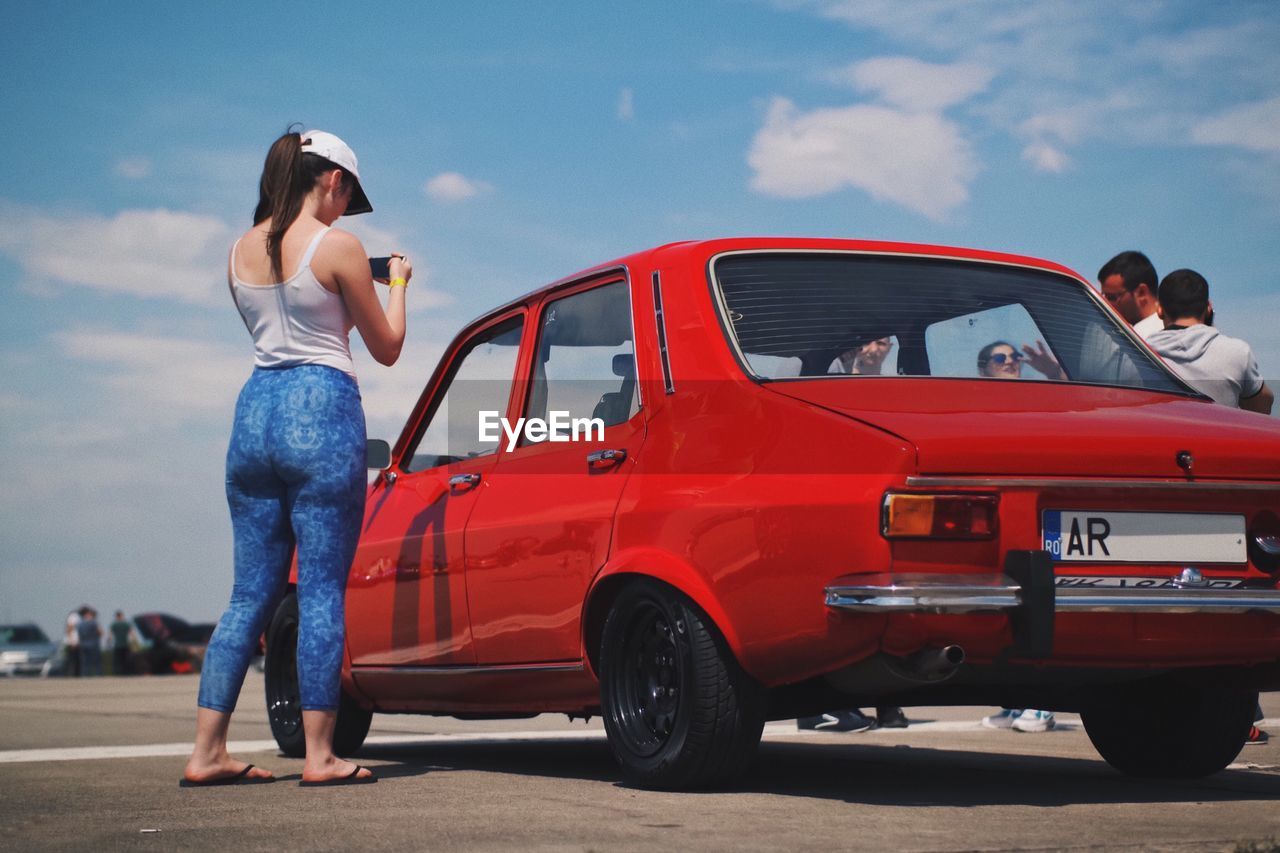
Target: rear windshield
<point>800,315</point>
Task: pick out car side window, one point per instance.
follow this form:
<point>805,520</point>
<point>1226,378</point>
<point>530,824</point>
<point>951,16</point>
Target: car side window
<point>479,382</point>
<point>585,364</point>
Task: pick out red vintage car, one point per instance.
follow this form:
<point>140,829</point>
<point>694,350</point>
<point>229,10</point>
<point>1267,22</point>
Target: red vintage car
<point>826,474</point>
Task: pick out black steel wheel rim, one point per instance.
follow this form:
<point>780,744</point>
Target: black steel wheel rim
<point>647,689</point>
<point>284,703</point>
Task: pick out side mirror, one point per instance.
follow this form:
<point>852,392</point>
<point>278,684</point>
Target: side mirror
<point>377,454</point>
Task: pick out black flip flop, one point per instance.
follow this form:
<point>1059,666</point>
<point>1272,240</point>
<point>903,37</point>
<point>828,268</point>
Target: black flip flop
<point>241,778</point>
<point>352,778</point>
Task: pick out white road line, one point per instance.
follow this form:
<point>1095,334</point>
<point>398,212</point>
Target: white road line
<point>772,730</point>
<point>150,750</point>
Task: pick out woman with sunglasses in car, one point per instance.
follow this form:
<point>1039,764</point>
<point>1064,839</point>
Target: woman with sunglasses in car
<point>1001,360</point>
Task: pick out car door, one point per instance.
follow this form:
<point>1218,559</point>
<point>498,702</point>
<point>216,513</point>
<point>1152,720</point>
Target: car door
<point>542,529</point>
<point>407,596</point>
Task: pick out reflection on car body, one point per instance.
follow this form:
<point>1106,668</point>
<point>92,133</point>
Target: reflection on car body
<point>759,536</point>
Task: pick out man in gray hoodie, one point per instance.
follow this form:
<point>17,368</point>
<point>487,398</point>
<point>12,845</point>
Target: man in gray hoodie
<point>1222,367</point>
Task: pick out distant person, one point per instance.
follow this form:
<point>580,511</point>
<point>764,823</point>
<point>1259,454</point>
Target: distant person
<point>296,461</point>
<point>122,635</point>
<point>1001,360</point>
<point>90,633</point>
<point>71,643</point>
<point>1129,282</point>
<point>866,360</point>
<point>1221,367</point>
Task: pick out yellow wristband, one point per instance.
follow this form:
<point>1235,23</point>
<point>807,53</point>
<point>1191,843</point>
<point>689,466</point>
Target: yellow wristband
<point>397,282</point>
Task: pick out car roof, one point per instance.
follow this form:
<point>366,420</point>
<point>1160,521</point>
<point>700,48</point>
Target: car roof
<point>701,251</point>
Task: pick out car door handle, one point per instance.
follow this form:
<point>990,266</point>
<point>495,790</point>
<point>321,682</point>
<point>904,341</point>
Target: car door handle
<point>601,459</point>
<point>464,481</point>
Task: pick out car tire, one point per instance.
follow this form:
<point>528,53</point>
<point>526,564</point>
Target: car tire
<point>679,711</point>
<point>284,703</point>
<point>1169,730</point>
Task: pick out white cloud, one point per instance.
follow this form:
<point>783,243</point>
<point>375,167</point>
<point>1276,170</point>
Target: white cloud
<point>156,253</point>
<point>133,168</point>
<point>626,105</point>
<point>1188,53</point>
<point>1045,158</point>
<point>1139,74</point>
<point>917,160</point>
<point>914,85</point>
<point>449,187</point>
<point>151,253</point>
<point>172,379</point>
<point>1253,126</point>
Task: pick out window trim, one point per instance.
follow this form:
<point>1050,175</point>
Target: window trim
<point>443,376</point>
<point>660,322</point>
<point>597,278</point>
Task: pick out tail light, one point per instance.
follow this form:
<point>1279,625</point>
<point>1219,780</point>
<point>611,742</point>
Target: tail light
<point>911,515</point>
<point>1264,542</point>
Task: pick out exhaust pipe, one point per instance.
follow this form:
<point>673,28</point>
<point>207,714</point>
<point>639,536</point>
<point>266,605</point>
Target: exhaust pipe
<point>931,663</point>
<point>883,674</point>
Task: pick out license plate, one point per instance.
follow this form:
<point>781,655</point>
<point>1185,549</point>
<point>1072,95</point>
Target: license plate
<point>1105,536</point>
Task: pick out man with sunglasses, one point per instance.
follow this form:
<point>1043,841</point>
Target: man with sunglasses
<point>1129,282</point>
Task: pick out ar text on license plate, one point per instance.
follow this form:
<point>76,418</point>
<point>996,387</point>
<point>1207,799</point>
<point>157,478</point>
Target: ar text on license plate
<point>1108,536</point>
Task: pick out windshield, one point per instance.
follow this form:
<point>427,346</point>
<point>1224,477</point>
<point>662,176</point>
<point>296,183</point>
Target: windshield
<point>803,315</point>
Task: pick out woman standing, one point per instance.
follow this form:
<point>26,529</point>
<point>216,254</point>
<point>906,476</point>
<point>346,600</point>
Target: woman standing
<point>296,461</point>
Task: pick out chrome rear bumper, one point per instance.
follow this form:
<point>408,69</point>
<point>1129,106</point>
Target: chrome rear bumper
<point>927,593</point>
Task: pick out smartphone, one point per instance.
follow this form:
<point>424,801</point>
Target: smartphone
<point>381,268</point>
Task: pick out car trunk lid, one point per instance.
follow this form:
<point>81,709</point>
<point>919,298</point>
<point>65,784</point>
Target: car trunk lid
<point>1027,428</point>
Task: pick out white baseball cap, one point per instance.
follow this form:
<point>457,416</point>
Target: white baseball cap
<point>339,153</point>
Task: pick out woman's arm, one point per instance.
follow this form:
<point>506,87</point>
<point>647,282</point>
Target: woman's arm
<point>382,329</point>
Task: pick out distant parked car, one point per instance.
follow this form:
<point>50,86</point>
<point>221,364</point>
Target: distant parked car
<point>27,650</point>
<point>170,645</point>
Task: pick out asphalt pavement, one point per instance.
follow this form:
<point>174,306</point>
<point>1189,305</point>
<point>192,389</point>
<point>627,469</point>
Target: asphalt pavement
<point>94,764</point>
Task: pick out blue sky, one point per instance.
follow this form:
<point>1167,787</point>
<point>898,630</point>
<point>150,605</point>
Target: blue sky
<point>508,144</point>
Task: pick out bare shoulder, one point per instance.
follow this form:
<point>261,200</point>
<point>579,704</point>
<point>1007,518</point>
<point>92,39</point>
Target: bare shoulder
<point>255,236</point>
<point>339,258</point>
<point>341,244</point>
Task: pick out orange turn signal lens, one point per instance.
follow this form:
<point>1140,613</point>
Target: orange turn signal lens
<point>922,516</point>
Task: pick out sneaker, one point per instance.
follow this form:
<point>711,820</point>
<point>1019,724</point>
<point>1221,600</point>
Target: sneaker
<point>1003,720</point>
<point>1032,720</point>
<point>837,721</point>
<point>1257,736</point>
<point>891,718</point>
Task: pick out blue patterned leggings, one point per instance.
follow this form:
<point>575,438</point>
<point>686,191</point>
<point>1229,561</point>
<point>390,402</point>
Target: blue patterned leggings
<point>295,475</point>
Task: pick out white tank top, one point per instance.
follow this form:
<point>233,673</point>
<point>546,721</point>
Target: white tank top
<point>297,321</point>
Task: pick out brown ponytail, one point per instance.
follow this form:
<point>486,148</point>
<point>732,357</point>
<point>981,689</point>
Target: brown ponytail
<point>287,177</point>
